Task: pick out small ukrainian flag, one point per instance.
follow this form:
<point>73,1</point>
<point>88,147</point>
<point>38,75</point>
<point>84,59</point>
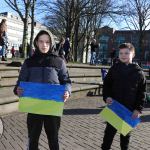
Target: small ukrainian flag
<point>42,98</point>
<point>119,117</point>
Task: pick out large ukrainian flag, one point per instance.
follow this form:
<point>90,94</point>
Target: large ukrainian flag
<point>42,98</point>
<point>119,117</point>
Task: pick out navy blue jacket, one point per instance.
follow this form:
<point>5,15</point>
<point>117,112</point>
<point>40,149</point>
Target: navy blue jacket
<point>45,68</point>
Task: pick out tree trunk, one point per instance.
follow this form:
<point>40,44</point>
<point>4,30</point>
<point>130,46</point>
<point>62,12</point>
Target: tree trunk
<point>25,31</point>
<point>87,48</point>
<point>76,40</point>
<point>32,29</point>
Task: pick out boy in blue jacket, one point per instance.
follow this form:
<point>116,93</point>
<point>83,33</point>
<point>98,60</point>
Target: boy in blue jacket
<point>44,67</point>
<point>124,82</point>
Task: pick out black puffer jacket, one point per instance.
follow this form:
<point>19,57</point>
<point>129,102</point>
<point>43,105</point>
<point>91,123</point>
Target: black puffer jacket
<point>126,84</point>
<point>44,68</point>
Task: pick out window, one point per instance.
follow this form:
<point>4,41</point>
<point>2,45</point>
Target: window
<point>104,39</point>
<point>119,40</point>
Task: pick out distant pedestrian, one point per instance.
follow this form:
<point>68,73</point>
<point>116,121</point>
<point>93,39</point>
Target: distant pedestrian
<point>20,51</point>
<point>28,50</point>
<point>125,82</point>
<point>94,47</point>
<point>113,55</point>
<point>67,49</point>
<point>60,48</point>
<point>13,51</point>
<point>3,38</point>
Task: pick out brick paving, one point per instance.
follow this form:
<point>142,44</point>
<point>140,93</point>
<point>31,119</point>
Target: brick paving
<point>81,129</point>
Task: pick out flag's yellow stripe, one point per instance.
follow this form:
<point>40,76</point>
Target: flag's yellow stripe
<point>37,106</point>
<point>115,121</point>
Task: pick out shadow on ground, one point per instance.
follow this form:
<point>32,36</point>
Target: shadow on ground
<point>82,111</point>
<point>145,118</point>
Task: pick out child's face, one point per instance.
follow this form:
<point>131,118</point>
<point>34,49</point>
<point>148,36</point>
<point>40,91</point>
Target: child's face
<point>43,43</point>
<point>125,55</point>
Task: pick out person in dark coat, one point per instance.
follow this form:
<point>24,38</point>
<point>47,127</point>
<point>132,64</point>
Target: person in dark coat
<point>125,82</point>
<point>94,47</point>
<point>60,48</point>
<point>44,67</point>
<point>67,49</point>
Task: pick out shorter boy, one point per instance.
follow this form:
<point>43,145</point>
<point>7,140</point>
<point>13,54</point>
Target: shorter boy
<point>125,82</point>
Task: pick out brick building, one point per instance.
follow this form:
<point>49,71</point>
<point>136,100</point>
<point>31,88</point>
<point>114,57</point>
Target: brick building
<point>109,39</point>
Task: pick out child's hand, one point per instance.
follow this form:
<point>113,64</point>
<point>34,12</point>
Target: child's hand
<point>109,100</point>
<point>135,114</point>
<point>66,96</point>
<point>19,91</point>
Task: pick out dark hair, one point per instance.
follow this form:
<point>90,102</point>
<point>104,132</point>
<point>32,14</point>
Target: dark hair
<point>62,39</point>
<point>3,20</point>
<point>127,45</point>
<point>42,32</point>
<point>3,26</point>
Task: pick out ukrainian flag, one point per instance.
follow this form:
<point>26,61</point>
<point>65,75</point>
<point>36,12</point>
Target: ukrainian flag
<point>42,98</point>
<point>119,117</point>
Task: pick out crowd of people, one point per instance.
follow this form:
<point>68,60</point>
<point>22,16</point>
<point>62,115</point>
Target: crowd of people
<point>62,48</point>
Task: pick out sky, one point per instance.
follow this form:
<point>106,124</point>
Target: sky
<point>5,8</point>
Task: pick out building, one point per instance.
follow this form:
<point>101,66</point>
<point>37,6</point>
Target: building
<point>109,39</point>
<point>15,29</point>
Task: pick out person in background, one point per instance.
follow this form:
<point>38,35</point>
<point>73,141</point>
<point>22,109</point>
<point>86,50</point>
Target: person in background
<point>94,47</point>
<point>28,50</point>
<point>13,51</point>
<point>125,82</point>
<point>60,48</point>
<point>67,49</point>
<point>113,56</point>
<point>44,67</point>
<point>3,38</point>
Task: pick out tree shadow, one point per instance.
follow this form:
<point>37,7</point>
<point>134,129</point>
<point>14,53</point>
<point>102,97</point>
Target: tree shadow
<point>82,111</point>
<point>145,118</point>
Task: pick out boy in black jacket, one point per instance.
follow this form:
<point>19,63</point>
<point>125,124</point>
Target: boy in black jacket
<point>125,82</point>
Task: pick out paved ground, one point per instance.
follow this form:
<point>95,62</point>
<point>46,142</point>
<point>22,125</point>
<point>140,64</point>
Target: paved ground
<point>81,129</point>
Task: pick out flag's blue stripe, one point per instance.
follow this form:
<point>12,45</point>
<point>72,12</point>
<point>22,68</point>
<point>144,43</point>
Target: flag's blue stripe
<point>123,113</point>
<point>43,91</point>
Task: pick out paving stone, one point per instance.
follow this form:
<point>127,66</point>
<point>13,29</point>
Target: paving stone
<point>81,129</point>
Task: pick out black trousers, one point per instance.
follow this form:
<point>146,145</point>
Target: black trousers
<point>51,126</point>
<point>109,134</point>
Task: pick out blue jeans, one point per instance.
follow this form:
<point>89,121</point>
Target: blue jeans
<point>3,50</point>
<point>93,57</point>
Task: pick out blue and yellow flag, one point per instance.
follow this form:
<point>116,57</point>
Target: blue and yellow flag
<point>119,117</point>
<point>42,98</point>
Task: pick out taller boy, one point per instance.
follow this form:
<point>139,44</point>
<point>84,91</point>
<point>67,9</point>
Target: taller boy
<point>125,82</point>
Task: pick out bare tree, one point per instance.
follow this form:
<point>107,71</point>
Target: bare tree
<point>32,26</point>
<point>137,16</point>
<point>77,19</point>
<point>23,8</point>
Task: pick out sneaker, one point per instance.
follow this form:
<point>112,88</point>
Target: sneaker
<point>3,59</point>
